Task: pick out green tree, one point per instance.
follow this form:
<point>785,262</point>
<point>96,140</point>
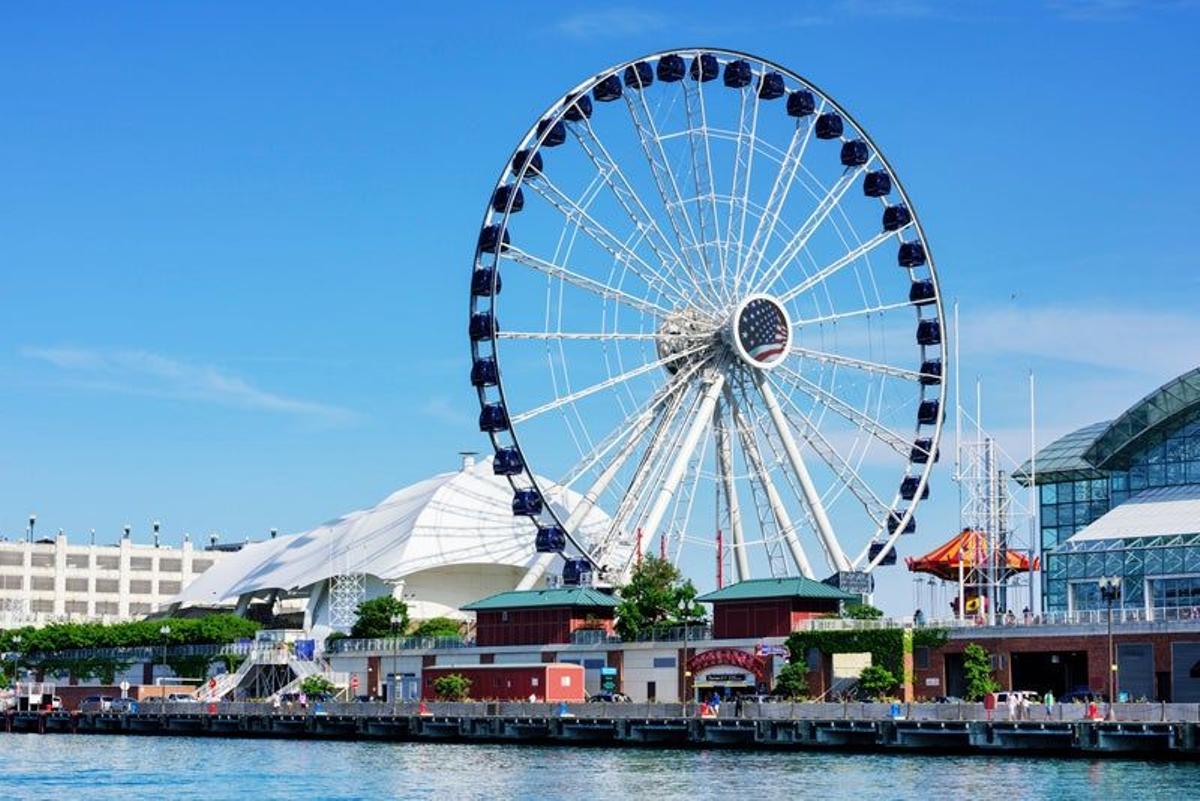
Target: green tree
<point>877,682</point>
<point>375,617</point>
<point>317,685</point>
<point>437,627</point>
<point>862,612</point>
<point>452,687</point>
<point>977,670</point>
<point>657,595</point>
<point>792,681</point>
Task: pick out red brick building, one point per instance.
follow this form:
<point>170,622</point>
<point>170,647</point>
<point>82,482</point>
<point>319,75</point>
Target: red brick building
<point>541,617</point>
<point>771,607</point>
<point>544,682</point>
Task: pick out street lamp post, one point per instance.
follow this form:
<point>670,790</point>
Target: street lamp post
<point>16,642</point>
<point>1110,592</point>
<point>165,631</point>
<point>393,689</point>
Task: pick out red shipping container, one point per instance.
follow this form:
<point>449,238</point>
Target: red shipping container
<point>552,681</point>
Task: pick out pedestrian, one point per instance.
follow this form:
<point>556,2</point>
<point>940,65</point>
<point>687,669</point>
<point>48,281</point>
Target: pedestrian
<point>918,618</point>
<point>1024,711</point>
<point>303,700</point>
<point>737,707</point>
<point>1012,706</point>
<point>276,702</point>
<point>989,704</point>
<point>1027,616</point>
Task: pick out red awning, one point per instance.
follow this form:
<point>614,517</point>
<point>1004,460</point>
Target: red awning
<point>970,548</point>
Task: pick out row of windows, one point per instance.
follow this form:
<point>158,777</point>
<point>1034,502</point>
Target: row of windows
<point>82,561</point>
<point>41,606</point>
<point>110,586</point>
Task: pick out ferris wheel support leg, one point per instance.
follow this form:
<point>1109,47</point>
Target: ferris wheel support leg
<point>679,466</point>
<point>725,460</point>
<point>812,498</point>
<point>534,573</point>
<point>782,518</point>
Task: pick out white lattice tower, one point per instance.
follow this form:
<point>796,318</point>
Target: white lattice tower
<point>347,588</point>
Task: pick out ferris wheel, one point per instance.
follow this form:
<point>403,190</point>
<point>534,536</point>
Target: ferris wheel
<point>705,316</point>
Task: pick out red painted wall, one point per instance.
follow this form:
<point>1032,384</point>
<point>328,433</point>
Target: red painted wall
<point>514,682</point>
<point>535,626</point>
<point>769,617</point>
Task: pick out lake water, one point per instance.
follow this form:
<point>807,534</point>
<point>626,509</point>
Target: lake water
<point>166,768</point>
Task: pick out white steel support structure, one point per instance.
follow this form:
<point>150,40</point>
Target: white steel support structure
<point>741,559</point>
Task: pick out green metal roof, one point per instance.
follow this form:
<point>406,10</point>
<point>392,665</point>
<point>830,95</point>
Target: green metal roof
<point>1145,420</point>
<point>1063,459</point>
<point>560,596</point>
<point>797,587</point>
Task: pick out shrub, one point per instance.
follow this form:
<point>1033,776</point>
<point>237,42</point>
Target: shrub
<point>862,612</point>
<point>452,687</point>
<point>437,627</point>
<point>317,685</point>
<point>977,670</point>
<point>657,595</point>
<point>792,681</point>
<point>375,617</point>
<point>877,682</point>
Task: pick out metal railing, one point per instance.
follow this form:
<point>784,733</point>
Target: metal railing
<point>1083,617</point>
<point>142,653</point>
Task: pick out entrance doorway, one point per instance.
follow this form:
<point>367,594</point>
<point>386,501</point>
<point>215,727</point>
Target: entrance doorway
<point>1049,671</point>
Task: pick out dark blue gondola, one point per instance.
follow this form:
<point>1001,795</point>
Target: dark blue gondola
<point>801,103</point>
<point>574,570</point>
<point>888,559</point>
<point>508,462</point>
<point>501,198</point>
<point>920,451</point>
<point>922,292</point>
<point>579,109</point>
<point>896,217</point>
<point>929,332</point>
<point>829,126</point>
<point>608,89</point>
<point>671,68</point>
<point>550,539</point>
<point>639,75</point>
<point>877,183</point>
<point>481,326</point>
<point>855,153</point>
<point>931,372</point>
<point>557,133</point>
<point>894,523</point>
<point>911,254</point>
<point>481,282</point>
<point>484,373</point>
<point>705,67</point>
<point>771,86</point>
<point>493,418</point>
<point>908,488</point>
<point>929,412</point>
<point>738,74</point>
<point>527,502</point>
<point>535,162</point>
<point>492,237</point>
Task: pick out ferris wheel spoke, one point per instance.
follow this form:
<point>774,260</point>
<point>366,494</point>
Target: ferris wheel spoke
<point>705,181</point>
<point>839,316</point>
<point>622,190</point>
<point>591,285</point>
<point>851,256</point>
<point>901,445</point>
<point>603,385</point>
<point>806,230</point>
<point>609,242</point>
<point>573,335</point>
<point>742,198</point>
<point>812,498</point>
<point>724,450</point>
<point>759,471</point>
<point>769,218</point>
<point>874,506</point>
<point>858,364</point>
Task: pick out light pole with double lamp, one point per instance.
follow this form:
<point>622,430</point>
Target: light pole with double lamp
<point>165,631</point>
<point>1110,592</point>
<point>394,686</point>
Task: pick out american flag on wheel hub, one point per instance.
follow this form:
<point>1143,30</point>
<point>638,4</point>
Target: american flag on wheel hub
<point>762,330</point>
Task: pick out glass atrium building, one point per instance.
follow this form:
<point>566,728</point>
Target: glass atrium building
<point>1122,498</point>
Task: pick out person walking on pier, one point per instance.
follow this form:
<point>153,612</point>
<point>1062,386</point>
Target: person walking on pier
<point>1049,702</point>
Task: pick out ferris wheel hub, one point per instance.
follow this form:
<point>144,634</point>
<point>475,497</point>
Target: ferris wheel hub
<point>759,331</point>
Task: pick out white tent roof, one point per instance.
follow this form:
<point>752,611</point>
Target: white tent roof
<point>462,518</point>
<point>1152,512</point>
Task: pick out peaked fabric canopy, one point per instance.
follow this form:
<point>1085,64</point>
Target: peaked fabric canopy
<point>971,549</point>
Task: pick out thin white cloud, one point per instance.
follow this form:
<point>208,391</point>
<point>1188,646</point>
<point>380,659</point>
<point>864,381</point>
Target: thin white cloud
<point>148,374</point>
<point>1114,10</point>
<point>612,22</point>
<point>444,411</point>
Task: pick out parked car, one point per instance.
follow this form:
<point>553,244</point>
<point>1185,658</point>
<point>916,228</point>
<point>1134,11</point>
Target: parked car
<point>181,698</point>
<point>96,703</point>
<point>948,699</point>
<point>610,698</point>
<point>1081,694</point>
<point>125,705</point>
<point>1026,695</point>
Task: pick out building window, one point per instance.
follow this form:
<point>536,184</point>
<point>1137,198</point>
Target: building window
<point>107,607</point>
<point>169,587</point>
<point>140,609</point>
<point>41,559</point>
<point>140,587</point>
<point>41,606</point>
<point>12,558</point>
<point>170,565</point>
<point>12,582</point>
<point>664,661</point>
<point>921,658</point>
<point>76,607</point>
<point>200,565</point>
<point>141,563</point>
<point>108,562</point>
<point>77,585</point>
<point>108,585</point>
<point>79,561</point>
<point>43,583</point>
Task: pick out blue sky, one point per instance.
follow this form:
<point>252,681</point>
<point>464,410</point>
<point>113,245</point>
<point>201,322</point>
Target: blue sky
<point>234,241</point>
